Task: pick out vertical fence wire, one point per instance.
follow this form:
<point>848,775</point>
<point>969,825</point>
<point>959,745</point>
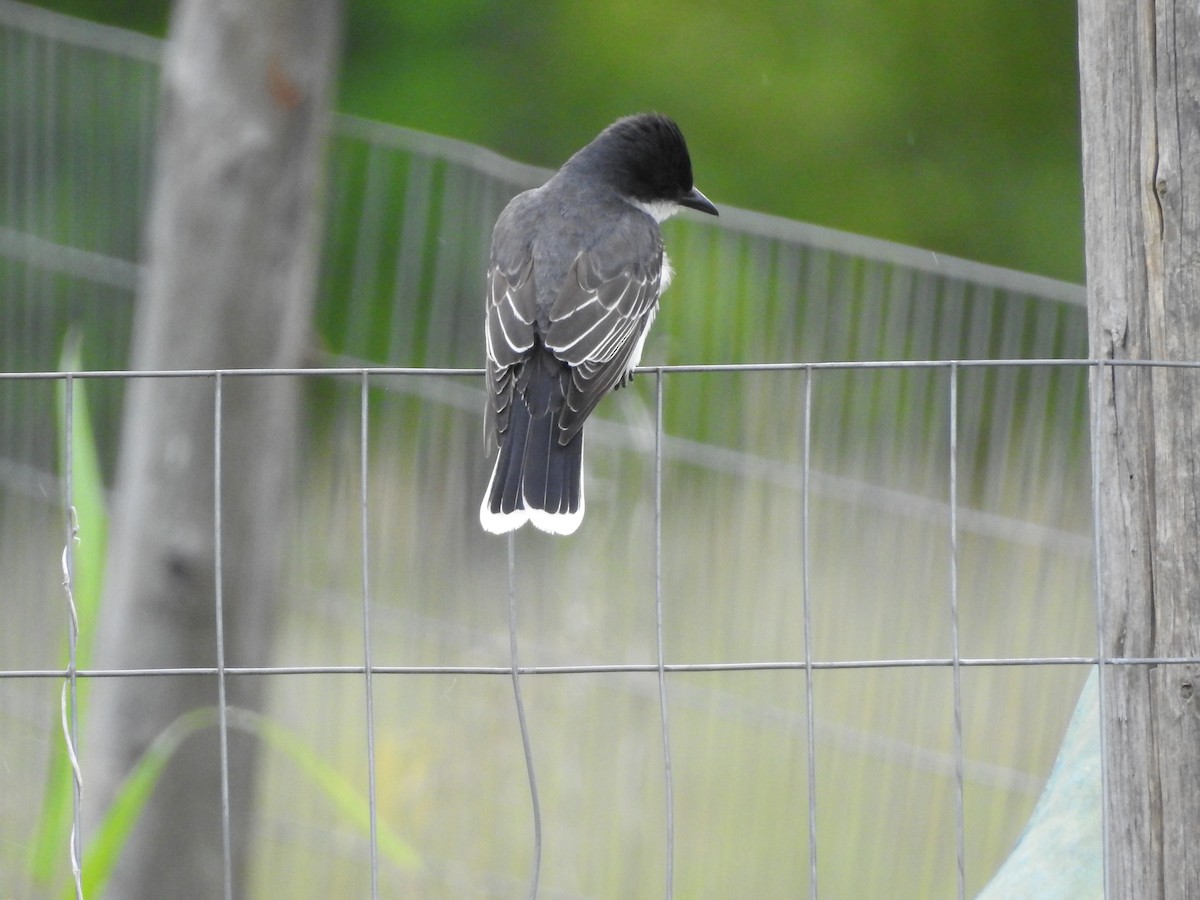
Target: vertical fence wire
<point>1096,402</point>
<point>222,707</point>
<point>960,823</point>
<point>809,715</point>
<point>69,700</point>
<point>668,785</point>
<point>373,812</point>
<point>521,721</point>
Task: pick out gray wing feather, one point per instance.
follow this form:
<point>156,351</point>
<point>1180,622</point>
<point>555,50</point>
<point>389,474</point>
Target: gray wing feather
<point>600,314</point>
<point>511,310</point>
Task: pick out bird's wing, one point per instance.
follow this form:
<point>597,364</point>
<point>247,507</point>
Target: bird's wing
<point>511,307</point>
<point>601,315</point>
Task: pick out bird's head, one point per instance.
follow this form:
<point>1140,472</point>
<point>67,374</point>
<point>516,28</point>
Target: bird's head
<point>646,159</point>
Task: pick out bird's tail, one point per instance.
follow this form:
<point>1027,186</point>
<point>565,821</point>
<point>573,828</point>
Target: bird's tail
<point>536,479</point>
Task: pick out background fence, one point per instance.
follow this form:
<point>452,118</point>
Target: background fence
<point>874,580</point>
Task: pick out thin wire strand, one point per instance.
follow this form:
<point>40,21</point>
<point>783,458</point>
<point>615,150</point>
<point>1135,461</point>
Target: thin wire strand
<point>366,603</point>
<point>809,712</point>
<point>780,665</point>
<point>222,705</point>
<point>468,372</point>
<point>668,782</point>
<point>1097,398</point>
<point>73,843</point>
<point>520,703</point>
<point>959,812</point>
<point>69,700</point>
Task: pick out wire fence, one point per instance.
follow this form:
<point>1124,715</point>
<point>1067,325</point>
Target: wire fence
<point>965,770</point>
<point>829,617</point>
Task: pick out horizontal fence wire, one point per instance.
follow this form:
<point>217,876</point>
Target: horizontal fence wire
<point>610,668</point>
<point>358,371</point>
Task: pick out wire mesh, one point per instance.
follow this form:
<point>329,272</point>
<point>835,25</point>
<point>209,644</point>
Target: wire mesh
<point>828,679</point>
<point>962,769</point>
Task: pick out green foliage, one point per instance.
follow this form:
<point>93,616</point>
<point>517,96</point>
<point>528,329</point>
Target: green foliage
<point>947,125</point>
<point>106,845</point>
<point>346,799</point>
<point>105,849</point>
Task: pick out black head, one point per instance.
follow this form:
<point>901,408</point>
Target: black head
<point>645,158</point>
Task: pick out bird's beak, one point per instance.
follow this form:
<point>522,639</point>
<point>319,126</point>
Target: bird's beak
<point>693,199</point>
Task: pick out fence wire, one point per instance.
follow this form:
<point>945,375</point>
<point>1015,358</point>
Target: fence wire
<point>70,688</point>
<point>661,666</point>
<point>1102,661</point>
<point>871,582</point>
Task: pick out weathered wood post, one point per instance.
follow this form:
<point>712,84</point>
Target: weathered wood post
<point>1140,83</point>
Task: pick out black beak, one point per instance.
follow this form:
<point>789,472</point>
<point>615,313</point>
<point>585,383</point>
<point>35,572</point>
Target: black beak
<point>693,199</point>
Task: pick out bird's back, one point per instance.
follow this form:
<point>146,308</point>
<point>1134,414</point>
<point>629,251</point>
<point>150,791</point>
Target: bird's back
<point>554,223</point>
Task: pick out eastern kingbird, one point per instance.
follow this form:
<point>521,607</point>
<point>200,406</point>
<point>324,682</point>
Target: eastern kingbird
<point>576,269</point>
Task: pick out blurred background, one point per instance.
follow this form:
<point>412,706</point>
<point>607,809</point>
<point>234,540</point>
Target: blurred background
<point>950,127</point>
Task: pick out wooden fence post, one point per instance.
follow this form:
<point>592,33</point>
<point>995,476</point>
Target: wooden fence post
<point>1140,87</point>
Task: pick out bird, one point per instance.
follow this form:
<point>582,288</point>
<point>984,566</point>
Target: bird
<point>573,282</point>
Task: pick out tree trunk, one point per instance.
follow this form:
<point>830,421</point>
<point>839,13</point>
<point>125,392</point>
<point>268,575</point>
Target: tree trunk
<point>231,258</point>
<point>1140,80</point>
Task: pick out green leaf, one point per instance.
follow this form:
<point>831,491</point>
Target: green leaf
<point>87,498</point>
<point>104,849</point>
<point>347,800</point>
<point>105,846</point>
